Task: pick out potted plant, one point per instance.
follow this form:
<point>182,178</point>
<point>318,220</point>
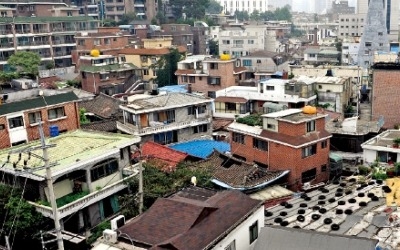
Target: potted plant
<point>396,142</point>
<point>390,172</point>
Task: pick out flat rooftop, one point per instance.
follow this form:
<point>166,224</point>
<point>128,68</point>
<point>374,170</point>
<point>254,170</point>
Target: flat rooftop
<point>293,115</point>
<point>73,149</point>
<point>384,139</point>
<point>345,208</point>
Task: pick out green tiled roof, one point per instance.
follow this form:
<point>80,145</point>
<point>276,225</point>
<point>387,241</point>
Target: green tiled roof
<point>108,68</point>
<point>45,19</point>
<point>75,149</point>
<point>36,102</point>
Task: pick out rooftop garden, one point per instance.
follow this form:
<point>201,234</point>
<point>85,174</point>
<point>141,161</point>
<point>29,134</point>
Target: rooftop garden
<point>251,120</point>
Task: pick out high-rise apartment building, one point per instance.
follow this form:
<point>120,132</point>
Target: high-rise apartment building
<point>391,12</point>
<point>375,37</point>
<point>231,6</point>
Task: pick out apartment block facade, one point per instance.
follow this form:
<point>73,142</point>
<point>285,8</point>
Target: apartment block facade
<point>167,118</point>
<point>288,140</point>
<point>51,37</point>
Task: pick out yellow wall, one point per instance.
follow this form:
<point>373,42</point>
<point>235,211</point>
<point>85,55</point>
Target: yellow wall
<point>108,180</point>
<point>61,189</point>
<point>157,43</point>
<point>137,61</point>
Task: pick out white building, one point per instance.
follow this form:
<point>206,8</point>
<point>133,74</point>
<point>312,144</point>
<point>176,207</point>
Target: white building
<point>231,6</point>
<point>381,148</point>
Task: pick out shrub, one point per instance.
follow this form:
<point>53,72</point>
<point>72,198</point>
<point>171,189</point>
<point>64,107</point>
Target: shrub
<point>251,120</point>
<point>364,170</point>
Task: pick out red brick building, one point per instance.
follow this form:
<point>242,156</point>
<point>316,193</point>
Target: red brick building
<point>288,140</point>
<point>207,74</point>
<point>108,74</point>
<point>20,112</point>
<point>385,93</point>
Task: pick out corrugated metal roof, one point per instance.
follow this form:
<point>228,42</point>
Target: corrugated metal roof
<point>202,148</point>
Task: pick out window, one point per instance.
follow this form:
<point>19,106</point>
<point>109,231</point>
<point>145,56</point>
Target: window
<point>166,117</point>
<point>247,62</point>
<point>81,42</point>
<point>250,41</point>
<point>105,76</point>
<point>104,169</point>
<point>308,151</point>
<point>311,126</point>
<point>214,80</point>
<point>120,8</point>
<point>323,168</point>
<point>96,41</point>
<point>145,72</point>
<point>16,122</point>
<point>368,44</point>
<point>107,41</point>
<point>211,94</point>
<point>166,137</point>
<point>253,230</point>
<point>230,106</point>
<point>200,129</point>
<point>270,87</point>
<point>308,175</point>
<point>260,144</point>
<point>56,113</point>
<point>213,65</point>
<point>239,138</point>
<point>324,144</point>
<point>192,79</point>
<point>34,117</point>
<point>173,28</point>
<point>231,246</point>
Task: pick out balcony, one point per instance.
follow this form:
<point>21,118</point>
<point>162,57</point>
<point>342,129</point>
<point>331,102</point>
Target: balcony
<point>85,201</point>
<point>159,128</point>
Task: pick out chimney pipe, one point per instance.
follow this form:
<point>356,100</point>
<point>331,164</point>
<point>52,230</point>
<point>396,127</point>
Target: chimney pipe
<point>315,36</point>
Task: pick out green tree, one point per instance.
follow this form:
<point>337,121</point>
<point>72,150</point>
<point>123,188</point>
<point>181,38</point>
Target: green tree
<point>241,15</point>
<point>82,117</point>
<point>166,67</point>
<point>109,23</point>
<point>127,18</point>
<point>192,8</point>
<point>214,48</point>
<point>214,7</point>
<point>26,62</point>
<point>158,184</point>
<point>255,16</point>
<point>283,13</point>
<point>20,219</point>
<point>8,76</point>
<point>268,15</point>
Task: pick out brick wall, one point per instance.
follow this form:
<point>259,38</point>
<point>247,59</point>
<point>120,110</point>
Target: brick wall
<point>4,135</point>
<point>281,157</point>
<point>92,82</point>
<point>385,96</point>
<point>71,122</point>
<point>299,129</point>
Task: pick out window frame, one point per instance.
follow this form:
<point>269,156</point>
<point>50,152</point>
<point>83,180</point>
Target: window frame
<point>260,144</point>
<point>309,151</point>
<point>253,232</point>
<point>59,113</point>
<point>238,138</point>
<point>36,116</point>
<point>310,126</point>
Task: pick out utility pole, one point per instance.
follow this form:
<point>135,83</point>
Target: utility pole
<point>47,166</point>
<point>140,181</point>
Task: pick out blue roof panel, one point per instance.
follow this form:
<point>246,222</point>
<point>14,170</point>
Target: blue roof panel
<point>181,88</point>
<point>201,148</point>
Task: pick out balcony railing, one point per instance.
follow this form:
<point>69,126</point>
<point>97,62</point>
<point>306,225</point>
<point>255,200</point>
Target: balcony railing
<point>131,129</point>
<point>84,201</point>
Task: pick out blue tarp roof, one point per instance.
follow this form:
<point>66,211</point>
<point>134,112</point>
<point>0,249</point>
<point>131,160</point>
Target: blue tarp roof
<point>202,148</point>
<point>174,88</point>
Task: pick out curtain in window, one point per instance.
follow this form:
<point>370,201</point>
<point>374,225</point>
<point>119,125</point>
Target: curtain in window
<point>114,203</point>
<point>101,210</point>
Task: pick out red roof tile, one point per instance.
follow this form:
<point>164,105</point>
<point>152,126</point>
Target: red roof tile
<point>184,221</point>
<point>230,99</point>
<point>239,70</point>
<point>163,157</point>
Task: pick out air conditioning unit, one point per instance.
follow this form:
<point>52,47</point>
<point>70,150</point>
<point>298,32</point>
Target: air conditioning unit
<point>110,236</point>
<point>117,222</point>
